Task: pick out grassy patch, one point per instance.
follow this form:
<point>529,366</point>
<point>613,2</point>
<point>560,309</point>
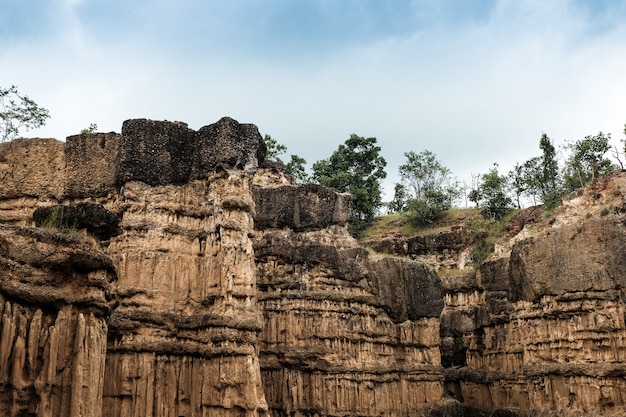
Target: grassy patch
<point>485,231</point>
<point>400,224</point>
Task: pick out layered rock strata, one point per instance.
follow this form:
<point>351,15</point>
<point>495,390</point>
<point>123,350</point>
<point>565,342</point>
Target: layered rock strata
<point>176,274</point>
<point>184,336</point>
<point>344,333</point>
<point>55,296</point>
<point>542,330</point>
<point>172,208</point>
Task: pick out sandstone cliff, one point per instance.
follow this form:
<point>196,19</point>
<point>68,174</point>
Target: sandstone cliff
<point>345,333</point>
<point>55,294</point>
<point>164,271</point>
<point>539,328</point>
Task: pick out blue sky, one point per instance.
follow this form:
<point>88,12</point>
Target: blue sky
<point>475,82</point>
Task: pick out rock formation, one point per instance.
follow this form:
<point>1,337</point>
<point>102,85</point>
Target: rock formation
<point>55,294</point>
<point>541,329</point>
<point>345,333</point>
<point>164,271</point>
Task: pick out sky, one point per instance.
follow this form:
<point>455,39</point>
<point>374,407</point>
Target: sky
<point>473,81</point>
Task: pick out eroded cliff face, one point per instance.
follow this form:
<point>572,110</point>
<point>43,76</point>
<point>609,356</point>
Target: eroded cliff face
<point>541,329</point>
<point>181,338</point>
<point>55,295</point>
<point>344,333</point>
<point>182,276</point>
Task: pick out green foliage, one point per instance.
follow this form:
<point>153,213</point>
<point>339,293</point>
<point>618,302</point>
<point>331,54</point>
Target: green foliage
<point>274,149</point>
<point>483,246</point>
<point>297,168</point>
<point>533,178</point>
<point>400,199</point>
<point>486,234</point>
<point>538,177</point>
<point>427,210</point>
<point>587,160</point>
<point>56,220</point>
<point>423,173</point>
<point>355,167</point>
<point>93,127</point>
<point>18,111</point>
<point>430,184</point>
<point>518,182</point>
<point>492,194</point>
<point>550,179</point>
<point>552,200</point>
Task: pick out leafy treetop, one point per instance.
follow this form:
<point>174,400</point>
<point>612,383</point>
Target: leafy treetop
<point>355,167</point>
<point>18,111</point>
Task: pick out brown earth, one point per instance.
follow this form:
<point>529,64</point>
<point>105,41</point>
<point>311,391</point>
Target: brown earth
<point>170,272</point>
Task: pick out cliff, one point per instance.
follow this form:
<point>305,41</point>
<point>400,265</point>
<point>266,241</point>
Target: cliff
<point>163,271</point>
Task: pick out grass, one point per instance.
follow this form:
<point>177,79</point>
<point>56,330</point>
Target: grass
<point>398,224</point>
<point>486,231</point>
<point>57,222</point>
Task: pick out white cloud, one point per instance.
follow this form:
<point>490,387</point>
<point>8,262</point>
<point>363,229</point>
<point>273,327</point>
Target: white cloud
<point>474,91</point>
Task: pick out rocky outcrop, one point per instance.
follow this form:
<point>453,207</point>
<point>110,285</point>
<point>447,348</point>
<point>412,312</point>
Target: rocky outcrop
<point>172,210</point>
<point>344,333</point>
<point>170,272</point>
<point>448,249</point>
<point>32,173</point>
<point>542,329</point>
<point>55,296</point>
<point>183,339</point>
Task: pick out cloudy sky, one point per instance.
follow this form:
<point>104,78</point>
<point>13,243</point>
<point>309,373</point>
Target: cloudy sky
<point>474,81</point>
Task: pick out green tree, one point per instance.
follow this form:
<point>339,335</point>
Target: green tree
<point>93,127</point>
<point>297,167</point>
<point>518,182</point>
<point>399,202</point>
<point>538,177</point>
<point>18,111</point>
<point>358,168</point>
<point>587,160</point>
<point>431,185</point>
<point>549,167</point>
<point>533,178</point>
<point>493,194</point>
<point>274,149</point>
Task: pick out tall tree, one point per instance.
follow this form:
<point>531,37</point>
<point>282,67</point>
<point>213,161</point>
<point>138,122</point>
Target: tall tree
<point>431,185</point>
<point>534,179</point>
<point>422,173</point>
<point>398,204</point>
<point>358,168</point>
<point>18,111</point>
<point>587,160</point>
<point>493,194</point>
<point>274,149</point>
<point>549,166</point>
<point>518,182</point>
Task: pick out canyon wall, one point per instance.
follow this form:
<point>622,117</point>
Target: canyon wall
<point>55,295</point>
<point>163,271</point>
<point>540,330</point>
<point>345,333</point>
<point>230,295</point>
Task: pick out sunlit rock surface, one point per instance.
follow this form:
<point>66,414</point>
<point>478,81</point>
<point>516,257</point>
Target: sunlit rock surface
<point>163,271</point>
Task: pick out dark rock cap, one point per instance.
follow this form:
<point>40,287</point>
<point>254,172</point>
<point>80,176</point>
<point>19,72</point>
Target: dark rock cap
<point>158,153</point>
